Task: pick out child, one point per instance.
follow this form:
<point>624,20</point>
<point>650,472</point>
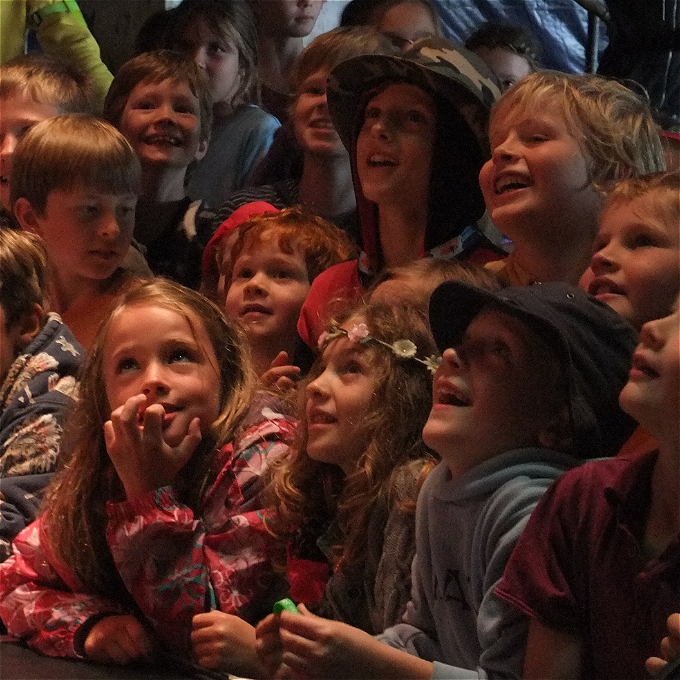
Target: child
<point>268,272</point>
<point>596,569</point>
<point>415,282</point>
<point>554,138</point>
<point>281,27</point>
<point>345,499</point>
<point>636,265</point>
<point>402,21</point>
<point>308,163</point>
<point>33,88</point>
<point>145,523</point>
<point>75,181</point>
<point>161,102</point>
<point>414,127</point>
<point>509,49</point>
<point>528,385</point>
<point>39,359</point>
<point>221,37</point>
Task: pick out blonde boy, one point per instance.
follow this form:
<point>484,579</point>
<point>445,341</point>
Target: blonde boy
<point>75,182</point>
<point>554,138</point>
<point>32,89</point>
<point>635,268</point>
<point>528,384</point>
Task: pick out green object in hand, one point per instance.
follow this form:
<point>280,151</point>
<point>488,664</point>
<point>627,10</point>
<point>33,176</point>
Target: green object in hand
<point>285,605</point>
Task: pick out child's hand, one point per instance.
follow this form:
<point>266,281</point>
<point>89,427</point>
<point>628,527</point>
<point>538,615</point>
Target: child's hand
<point>135,444</point>
<point>225,642</point>
<point>268,644</point>
<point>319,648</point>
<point>280,374</point>
<point>118,639</point>
<point>670,646</point>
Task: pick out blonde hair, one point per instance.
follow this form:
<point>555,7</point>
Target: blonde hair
<point>75,521</point>
<point>46,80</point>
<point>64,151</point>
<point>23,274</point>
<point>612,124</point>
<point>393,422</point>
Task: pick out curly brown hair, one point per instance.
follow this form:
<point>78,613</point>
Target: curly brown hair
<point>305,489</point>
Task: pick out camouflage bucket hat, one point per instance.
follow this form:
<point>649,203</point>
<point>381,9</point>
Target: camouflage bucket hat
<point>436,65</point>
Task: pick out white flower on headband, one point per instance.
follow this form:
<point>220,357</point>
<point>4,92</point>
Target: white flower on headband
<point>402,349</point>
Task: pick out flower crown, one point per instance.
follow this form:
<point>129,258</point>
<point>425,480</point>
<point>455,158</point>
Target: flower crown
<point>402,349</point>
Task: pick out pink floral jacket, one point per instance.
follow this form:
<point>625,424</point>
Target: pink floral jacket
<point>173,563</point>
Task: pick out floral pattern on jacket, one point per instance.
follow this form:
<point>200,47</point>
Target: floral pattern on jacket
<point>174,564</point>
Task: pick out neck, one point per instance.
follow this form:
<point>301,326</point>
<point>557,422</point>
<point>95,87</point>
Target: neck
<point>263,353</point>
<point>163,184</point>
<point>326,185</point>
<point>554,261</point>
<point>66,291</point>
<point>402,234</point>
<point>277,54</point>
<point>663,519</point>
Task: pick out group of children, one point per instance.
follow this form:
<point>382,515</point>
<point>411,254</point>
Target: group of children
<point>206,470</point>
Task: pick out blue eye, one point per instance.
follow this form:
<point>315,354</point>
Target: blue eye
<point>126,365</point>
<point>181,355</point>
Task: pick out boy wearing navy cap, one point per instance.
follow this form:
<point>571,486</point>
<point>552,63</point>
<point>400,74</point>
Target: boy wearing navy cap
<point>527,388</point>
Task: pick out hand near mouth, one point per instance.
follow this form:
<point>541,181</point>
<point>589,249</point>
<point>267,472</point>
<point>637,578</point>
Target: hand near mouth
<point>142,458</point>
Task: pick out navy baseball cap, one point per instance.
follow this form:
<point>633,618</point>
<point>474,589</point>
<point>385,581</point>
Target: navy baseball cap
<point>593,343</point>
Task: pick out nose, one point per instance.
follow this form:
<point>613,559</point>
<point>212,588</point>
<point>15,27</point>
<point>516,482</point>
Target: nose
<point>451,359</point>
<point>508,149</point>
<point>154,382</point>
<point>9,143</point>
<point>651,333</point>
<point>603,261</point>
<point>199,55</point>
<point>317,389</point>
<point>256,285</point>
<point>109,227</point>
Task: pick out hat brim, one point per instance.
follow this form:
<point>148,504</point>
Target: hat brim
<point>454,304</point>
<point>350,80</point>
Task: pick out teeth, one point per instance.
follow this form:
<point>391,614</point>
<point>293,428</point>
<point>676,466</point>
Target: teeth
<point>452,399</point>
<point>321,418</point>
<point>380,160</point>
<point>510,183</point>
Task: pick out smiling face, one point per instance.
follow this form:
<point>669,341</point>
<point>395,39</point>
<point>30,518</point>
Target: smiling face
<point>312,124</point>
<point>636,265</point>
<point>652,394</point>
<point>87,233</point>
<point>267,290</point>
<point>493,393</point>
<point>395,146</point>
<point>162,123</point>
<point>217,57</point>
<point>337,401</point>
<point>537,181</point>
<point>18,114</point>
<point>172,362</point>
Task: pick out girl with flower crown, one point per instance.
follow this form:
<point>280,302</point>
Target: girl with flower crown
<point>346,499</point>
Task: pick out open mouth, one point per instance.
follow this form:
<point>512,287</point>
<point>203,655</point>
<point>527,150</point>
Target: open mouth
<point>163,140</point>
<point>255,309</point>
<point>452,397</point>
<point>380,161</point>
<point>320,418</point>
<point>510,182</point>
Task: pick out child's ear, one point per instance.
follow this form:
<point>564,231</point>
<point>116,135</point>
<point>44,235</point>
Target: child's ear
<point>26,215</point>
<point>28,327</point>
<point>202,149</point>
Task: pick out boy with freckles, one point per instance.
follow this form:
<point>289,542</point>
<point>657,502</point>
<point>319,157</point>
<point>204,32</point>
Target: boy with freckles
<point>527,388</point>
